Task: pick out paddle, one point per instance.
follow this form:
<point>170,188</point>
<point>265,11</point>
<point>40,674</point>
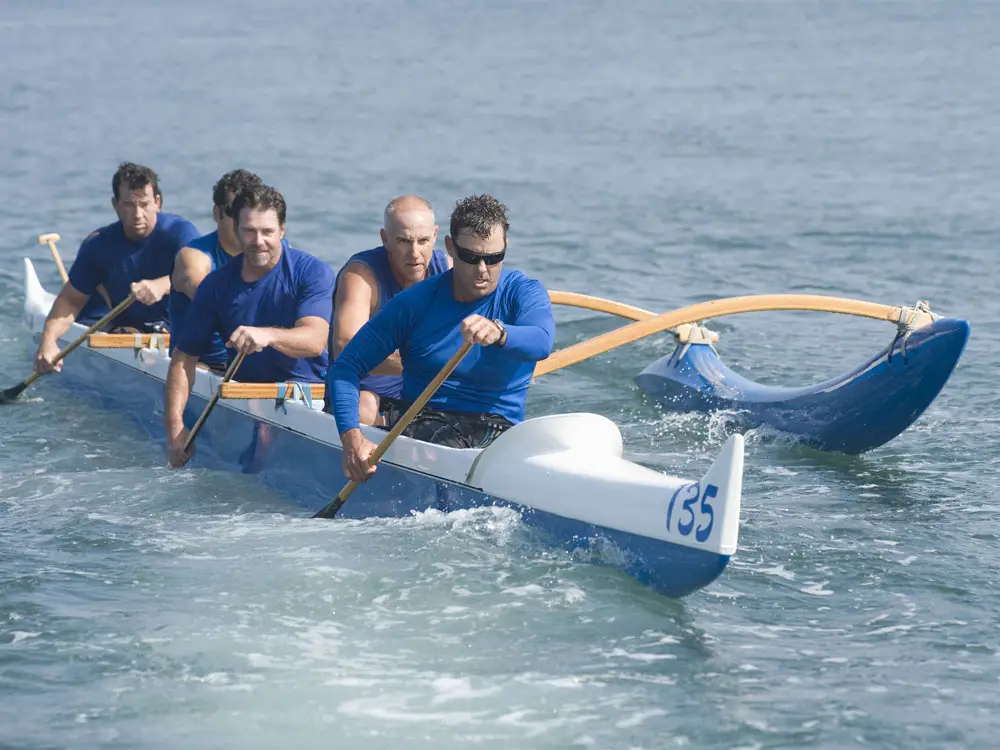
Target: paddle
<point>13,392</point>
<point>230,371</point>
<point>334,505</point>
<point>714,309</point>
<point>51,239</point>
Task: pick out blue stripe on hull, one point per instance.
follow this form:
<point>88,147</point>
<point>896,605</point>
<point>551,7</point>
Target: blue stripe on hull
<point>309,473</point>
<point>669,568</point>
<point>852,413</point>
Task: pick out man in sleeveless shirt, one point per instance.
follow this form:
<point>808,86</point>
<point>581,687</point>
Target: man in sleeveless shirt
<point>507,314</point>
<point>272,304</point>
<point>205,254</point>
<point>134,254</point>
<point>370,279</point>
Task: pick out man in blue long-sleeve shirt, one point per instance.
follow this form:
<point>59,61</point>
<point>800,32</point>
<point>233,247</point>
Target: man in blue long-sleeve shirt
<point>506,313</point>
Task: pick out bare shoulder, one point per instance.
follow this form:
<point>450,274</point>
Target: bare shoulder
<point>191,266</point>
<point>357,286</point>
<point>190,258</point>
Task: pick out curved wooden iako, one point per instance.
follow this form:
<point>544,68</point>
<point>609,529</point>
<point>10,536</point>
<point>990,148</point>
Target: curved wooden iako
<point>571,355</point>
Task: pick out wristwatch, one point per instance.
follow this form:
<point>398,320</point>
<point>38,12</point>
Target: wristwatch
<point>503,333</point>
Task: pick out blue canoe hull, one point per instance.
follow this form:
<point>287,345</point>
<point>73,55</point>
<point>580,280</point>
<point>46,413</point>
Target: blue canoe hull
<point>309,472</point>
<point>853,413</point>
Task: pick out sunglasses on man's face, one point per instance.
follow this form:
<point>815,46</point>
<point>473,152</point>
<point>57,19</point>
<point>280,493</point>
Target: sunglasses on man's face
<point>468,256</point>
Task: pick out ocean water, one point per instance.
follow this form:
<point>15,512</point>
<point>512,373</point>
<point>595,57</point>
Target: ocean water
<point>660,154</point>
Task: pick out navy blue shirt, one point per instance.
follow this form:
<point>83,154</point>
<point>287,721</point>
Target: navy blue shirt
<point>178,302</point>
<point>110,258</point>
<point>423,323</point>
<point>94,309</point>
<point>300,285</point>
<point>377,261</point>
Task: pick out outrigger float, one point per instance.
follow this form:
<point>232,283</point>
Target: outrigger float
<point>854,412</point>
<point>565,473</point>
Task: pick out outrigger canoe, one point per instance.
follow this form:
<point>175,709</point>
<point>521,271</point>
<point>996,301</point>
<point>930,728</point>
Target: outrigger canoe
<point>853,412</point>
<point>564,473</point>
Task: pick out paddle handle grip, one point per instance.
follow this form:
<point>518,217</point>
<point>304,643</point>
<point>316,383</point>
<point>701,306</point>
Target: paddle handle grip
<point>58,259</point>
<point>51,239</point>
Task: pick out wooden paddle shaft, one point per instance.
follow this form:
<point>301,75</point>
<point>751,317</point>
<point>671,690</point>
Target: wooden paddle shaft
<point>230,371</point>
<point>331,509</point>
<point>714,309</point>
<point>83,336</point>
<point>10,394</point>
<point>51,239</point>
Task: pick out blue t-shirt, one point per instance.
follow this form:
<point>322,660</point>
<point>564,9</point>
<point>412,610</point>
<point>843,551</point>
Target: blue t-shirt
<point>299,285</point>
<point>110,258</point>
<point>93,310</point>
<point>424,322</point>
<point>377,261</point>
<point>178,302</point>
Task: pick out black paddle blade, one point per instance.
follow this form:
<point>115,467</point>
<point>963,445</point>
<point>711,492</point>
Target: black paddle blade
<point>12,393</point>
<point>331,508</point>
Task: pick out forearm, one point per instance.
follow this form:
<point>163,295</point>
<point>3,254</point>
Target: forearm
<point>530,343</point>
<point>300,342</point>
<point>343,382</point>
<point>62,315</point>
<point>180,381</point>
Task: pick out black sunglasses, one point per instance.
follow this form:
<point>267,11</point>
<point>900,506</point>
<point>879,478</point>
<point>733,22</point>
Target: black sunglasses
<point>467,256</point>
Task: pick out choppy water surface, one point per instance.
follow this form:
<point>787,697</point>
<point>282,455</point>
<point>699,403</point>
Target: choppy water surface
<point>660,154</point>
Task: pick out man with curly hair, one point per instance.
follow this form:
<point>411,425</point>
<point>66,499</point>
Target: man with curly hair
<point>506,313</point>
<point>205,254</point>
<point>135,254</point>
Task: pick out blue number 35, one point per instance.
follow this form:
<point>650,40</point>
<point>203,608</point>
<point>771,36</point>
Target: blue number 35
<point>690,494</point>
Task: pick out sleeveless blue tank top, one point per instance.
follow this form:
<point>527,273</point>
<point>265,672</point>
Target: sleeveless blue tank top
<point>377,261</point>
<point>178,303</point>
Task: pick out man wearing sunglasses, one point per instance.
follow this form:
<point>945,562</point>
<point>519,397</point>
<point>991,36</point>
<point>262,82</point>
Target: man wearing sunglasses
<point>506,313</point>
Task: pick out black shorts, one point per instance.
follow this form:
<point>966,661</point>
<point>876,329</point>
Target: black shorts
<point>455,429</point>
<point>219,368</point>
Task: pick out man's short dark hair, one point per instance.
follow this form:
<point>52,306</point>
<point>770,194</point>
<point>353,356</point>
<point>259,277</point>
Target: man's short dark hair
<point>134,177</point>
<point>479,214</point>
<point>258,198</point>
<point>230,184</point>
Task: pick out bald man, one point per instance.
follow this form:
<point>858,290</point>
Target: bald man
<point>371,278</point>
